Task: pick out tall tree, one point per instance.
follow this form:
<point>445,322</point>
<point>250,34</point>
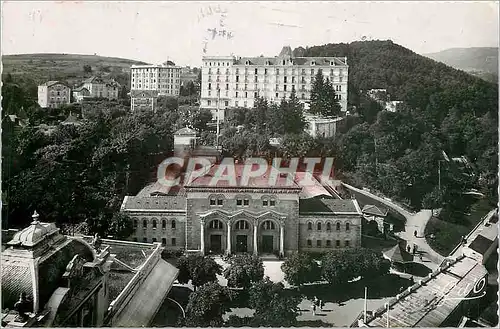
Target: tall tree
<point>207,305</point>
<point>244,270</point>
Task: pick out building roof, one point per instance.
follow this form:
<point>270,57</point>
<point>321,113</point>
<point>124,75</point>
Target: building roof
<point>81,89</point>
<point>216,178</point>
<point>142,307</point>
<point>429,303</point>
<point>481,244</point>
<point>53,82</point>
<point>16,279</point>
<point>310,186</point>
<point>33,234</point>
<point>186,131</point>
<point>319,61</point>
<point>374,210</point>
<point>166,203</point>
<point>322,205</point>
<point>71,119</point>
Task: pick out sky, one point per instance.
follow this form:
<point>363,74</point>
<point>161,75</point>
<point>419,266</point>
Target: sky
<point>183,32</point>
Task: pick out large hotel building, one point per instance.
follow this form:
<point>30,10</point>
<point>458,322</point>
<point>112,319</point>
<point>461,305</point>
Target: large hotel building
<point>229,82</point>
<point>147,82</point>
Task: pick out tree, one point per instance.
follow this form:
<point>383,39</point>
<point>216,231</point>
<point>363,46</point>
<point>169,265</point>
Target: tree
<point>87,68</point>
<point>199,269</point>
<point>274,305</point>
<point>200,118</point>
<point>244,270</point>
<point>207,305</point>
<point>300,268</point>
<point>340,267</point>
<point>323,97</point>
<point>121,226</point>
<point>167,104</point>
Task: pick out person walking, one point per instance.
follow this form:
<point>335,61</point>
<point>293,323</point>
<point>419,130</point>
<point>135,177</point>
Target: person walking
<point>314,309</point>
<point>415,233</point>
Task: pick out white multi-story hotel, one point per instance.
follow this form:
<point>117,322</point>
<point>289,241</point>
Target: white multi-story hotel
<point>147,82</point>
<point>229,82</point>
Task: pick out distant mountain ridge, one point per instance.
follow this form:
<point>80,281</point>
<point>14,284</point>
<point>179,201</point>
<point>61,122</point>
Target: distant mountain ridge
<point>479,61</point>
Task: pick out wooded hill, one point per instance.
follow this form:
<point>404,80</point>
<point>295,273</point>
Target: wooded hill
<point>445,110</point>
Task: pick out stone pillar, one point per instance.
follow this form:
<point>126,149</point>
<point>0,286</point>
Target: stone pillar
<point>255,249</point>
<point>228,249</point>
<point>202,235</point>
<point>282,239</point>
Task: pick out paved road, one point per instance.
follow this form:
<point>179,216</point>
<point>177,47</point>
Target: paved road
<point>414,222</point>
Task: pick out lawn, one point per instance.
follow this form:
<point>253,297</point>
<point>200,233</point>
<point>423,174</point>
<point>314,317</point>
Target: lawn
<point>447,235</point>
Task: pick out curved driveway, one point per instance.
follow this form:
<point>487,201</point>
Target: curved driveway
<point>414,222</point>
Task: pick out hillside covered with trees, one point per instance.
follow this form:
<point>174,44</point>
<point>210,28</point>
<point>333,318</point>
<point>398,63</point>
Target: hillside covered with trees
<point>399,153</point>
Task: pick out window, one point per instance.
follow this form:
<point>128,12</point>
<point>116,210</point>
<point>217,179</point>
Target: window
<point>284,79</point>
<point>209,86</point>
<point>265,71</point>
<point>173,242</point>
<point>255,79</point>
<point>163,224</point>
<point>246,93</point>
<point>319,226</point>
<point>163,241</point>
<point>265,203</point>
<point>337,243</point>
<point>154,224</point>
<point>328,226</point>
<point>239,202</point>
<point>312,71</point>
<point>255,95</point>
<point>212,202</point>
<point>246,202</point>
<point>236,103</point>
<point>347,226</point>
<point>268,225</point>
<point>309,243</point>
<point>135,223</point>
<point>154,240</point>
<point>242,225</point>
<point>338,226</point>
<point>277,71</point>
<point>272,203</point>
<point>209,102</point>
<point>144,240</point>
<point>236,94</point>
<point>227,86</point>
<point>237,78</point>
<point>144,223</point>
<point>340,79</point>
<point>215,224</point>
<point>309,226</point>
<point>277,95</point>
<point>284,88</point>
<point>226,103</point>
<point>328,243</point>
<point>346,243</point>
<point>293,79</point>
<point>303,95</point>
<point>219,202</point>
<point>318,243</point>
<point>245,103</point>
<point>256,72</point>
<point>173,223</point>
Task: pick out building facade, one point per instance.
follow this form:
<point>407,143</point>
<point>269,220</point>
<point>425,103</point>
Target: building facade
<point>229,82</point>
<point>53,94</point>
<point>100,88</point>
<point>157,80</point>
<point>53,280</point>
<point>262,219</point>
<point>318,126</point>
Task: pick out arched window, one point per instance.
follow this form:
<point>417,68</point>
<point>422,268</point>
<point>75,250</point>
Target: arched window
<point>163,224</point>
<point>328,226</point>
<point>338,226</point>
<point>319,226</point>
<point>215,224</point>
<point>144,223</point>
<point>154,223</point>
<point>268,225</point>
<point>135,223</point>
<point>242,225</point>
<point>347,226</point>
<point>173,223</point>
<point>309,226</point>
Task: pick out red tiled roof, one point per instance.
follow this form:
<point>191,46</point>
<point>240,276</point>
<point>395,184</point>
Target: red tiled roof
<point>216,178</point>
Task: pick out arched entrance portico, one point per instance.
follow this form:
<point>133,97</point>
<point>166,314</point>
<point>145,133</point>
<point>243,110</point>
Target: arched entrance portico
<point>241,232</point>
